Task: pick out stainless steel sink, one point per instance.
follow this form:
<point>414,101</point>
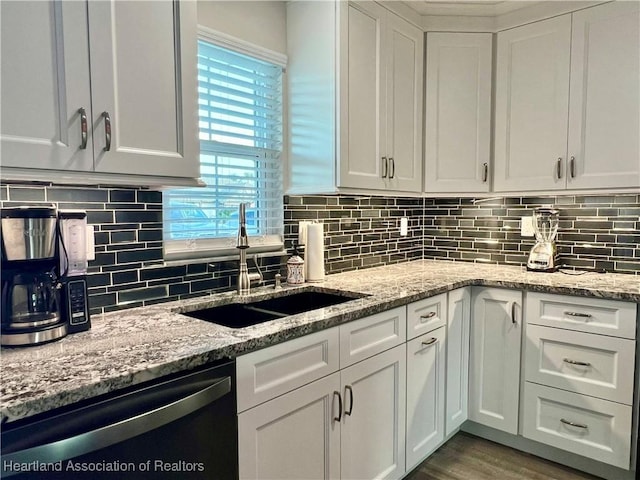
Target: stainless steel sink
<point>240,315</point>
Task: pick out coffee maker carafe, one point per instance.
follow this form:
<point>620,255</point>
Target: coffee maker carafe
<point>31,286</point>
<point>544,254</point>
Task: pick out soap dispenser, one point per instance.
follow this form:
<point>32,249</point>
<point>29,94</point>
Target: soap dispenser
<point>295,268</point>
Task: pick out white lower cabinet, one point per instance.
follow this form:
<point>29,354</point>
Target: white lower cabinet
<point>294,436</point>
<point>425,395</point>
<point>373,431</point>
<point>588,426</point>
<point>457,362</point>
<point>494,386</point>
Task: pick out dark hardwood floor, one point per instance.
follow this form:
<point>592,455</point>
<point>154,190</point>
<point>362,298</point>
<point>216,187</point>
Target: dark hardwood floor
<point>466,457</point>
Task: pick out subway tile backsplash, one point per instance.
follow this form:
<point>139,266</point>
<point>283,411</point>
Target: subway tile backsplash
<point>596,232</point>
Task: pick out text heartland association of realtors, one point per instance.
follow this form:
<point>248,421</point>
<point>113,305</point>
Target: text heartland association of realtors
<point>104,466</point>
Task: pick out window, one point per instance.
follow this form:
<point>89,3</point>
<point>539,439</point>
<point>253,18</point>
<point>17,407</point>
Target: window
<point>240,130</point>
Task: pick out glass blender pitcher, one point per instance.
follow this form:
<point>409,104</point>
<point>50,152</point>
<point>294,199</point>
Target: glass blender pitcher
<point>544,254</point>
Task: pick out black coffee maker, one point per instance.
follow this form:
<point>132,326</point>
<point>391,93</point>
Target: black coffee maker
<point>43,287</point>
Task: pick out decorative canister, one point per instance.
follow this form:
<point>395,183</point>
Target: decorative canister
<point>295,269</point>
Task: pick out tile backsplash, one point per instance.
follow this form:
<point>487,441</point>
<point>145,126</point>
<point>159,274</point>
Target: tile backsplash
<point>596,232</point>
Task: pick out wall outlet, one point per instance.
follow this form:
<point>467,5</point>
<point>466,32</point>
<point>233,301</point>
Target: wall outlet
<point>91,243</point>
<point>404,226</point>
<point>526,227</point>
<point>302,232</point>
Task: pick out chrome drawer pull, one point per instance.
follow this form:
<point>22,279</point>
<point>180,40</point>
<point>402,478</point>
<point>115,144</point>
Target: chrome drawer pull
<point>578,314</point>
<point>83,128</point>
<point>428,316</point>
<point>575,362</point>
<point>429,342</point>
<point>573,424</point>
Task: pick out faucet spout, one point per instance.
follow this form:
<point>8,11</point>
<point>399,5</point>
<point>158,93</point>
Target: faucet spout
<point>242,244</point>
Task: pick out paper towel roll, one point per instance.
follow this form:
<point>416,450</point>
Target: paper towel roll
<point>315,252</point>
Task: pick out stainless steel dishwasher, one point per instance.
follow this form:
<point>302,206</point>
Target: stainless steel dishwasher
<point>184,426</point>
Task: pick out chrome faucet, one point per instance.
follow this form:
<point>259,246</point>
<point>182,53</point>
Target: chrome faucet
<point>242,244</point>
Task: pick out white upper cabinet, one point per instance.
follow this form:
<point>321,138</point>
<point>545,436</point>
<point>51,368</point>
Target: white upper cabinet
<point>145,80</point>
<point>532,101</point>
<point>45,83</point>
<point>382,56</point>
<point>355,82</point>
<point>458,112</point>
<point>568,102</point>
<point>121,74</point>
<point>604,103</point>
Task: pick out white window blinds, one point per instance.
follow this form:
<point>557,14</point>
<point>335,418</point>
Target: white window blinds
<point>240,128</point>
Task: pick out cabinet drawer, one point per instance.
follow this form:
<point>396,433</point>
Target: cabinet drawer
<point>267,373</point>
<point>592,315</point>
<point>368,336</point>
<point>586,363</point>
<point>601,429</point>
<point>426,315</point>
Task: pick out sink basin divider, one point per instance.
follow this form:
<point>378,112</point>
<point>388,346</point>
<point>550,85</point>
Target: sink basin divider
<point>264,310</point>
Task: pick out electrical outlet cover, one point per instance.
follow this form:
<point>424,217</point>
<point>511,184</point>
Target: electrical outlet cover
<point>526,227</point>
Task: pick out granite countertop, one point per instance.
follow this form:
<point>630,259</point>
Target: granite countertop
<point>131,346</point>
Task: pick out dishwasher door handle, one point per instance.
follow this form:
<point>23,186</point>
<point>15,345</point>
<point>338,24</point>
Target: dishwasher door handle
<point>122,430</point>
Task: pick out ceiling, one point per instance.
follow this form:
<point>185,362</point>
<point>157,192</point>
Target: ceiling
<point>482,8</point>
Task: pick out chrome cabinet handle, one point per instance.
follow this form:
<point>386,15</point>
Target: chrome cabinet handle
<point>107,131</point>
<point>572,167</point>
<point>485,172</point>
<point>335,392</point>
<point>348,388</point>
<point>575,362</point>
<point>385,167</point>
<point>513,313</point>
<point>83,128</point>
<point>429,342</point>
<point>393,167</point>
<point>428,315</point>
<point>573,424</point>
<point>578,314</point>
<point>559,168</point>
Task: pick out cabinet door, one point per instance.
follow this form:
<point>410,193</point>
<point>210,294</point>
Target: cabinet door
<point>404,66</point>
<point>495,358</point>
<point>532,102</point>
<point>45,82</point>
<point>425,395</point>
<point>145,80</point>
<point>373,425</point>
<point>458,112</point>
<point>604,108</point>
<point>293,436</point>
<point>362,97</point>
<point>458,318</point>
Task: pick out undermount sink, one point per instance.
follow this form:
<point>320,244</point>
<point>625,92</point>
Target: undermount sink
<point>240,315</point>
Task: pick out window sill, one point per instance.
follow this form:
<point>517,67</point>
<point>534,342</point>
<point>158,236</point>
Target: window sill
<point>220,258</point>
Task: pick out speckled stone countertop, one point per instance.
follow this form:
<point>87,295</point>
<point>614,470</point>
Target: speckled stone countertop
<point>131,346</point>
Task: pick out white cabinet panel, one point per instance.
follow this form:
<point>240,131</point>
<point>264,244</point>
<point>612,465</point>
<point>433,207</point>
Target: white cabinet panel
<point>458,112</point>
<point>45,81</point>
<point>373,425</point>
<point>457,393</point>
<point>585,363</point>
<point>604,109</point>
<point>404,66</point>
<point>425,395</point>
<point>591,315</point>
<point>426,315</point>
<point>532,102</point>
<point>267,373</point>
<point>360,163</point>
<point>363,338</point>
<point>588,426</point>
<point>152,109</point>
<point>293,436</point>
<point>494,385</point>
